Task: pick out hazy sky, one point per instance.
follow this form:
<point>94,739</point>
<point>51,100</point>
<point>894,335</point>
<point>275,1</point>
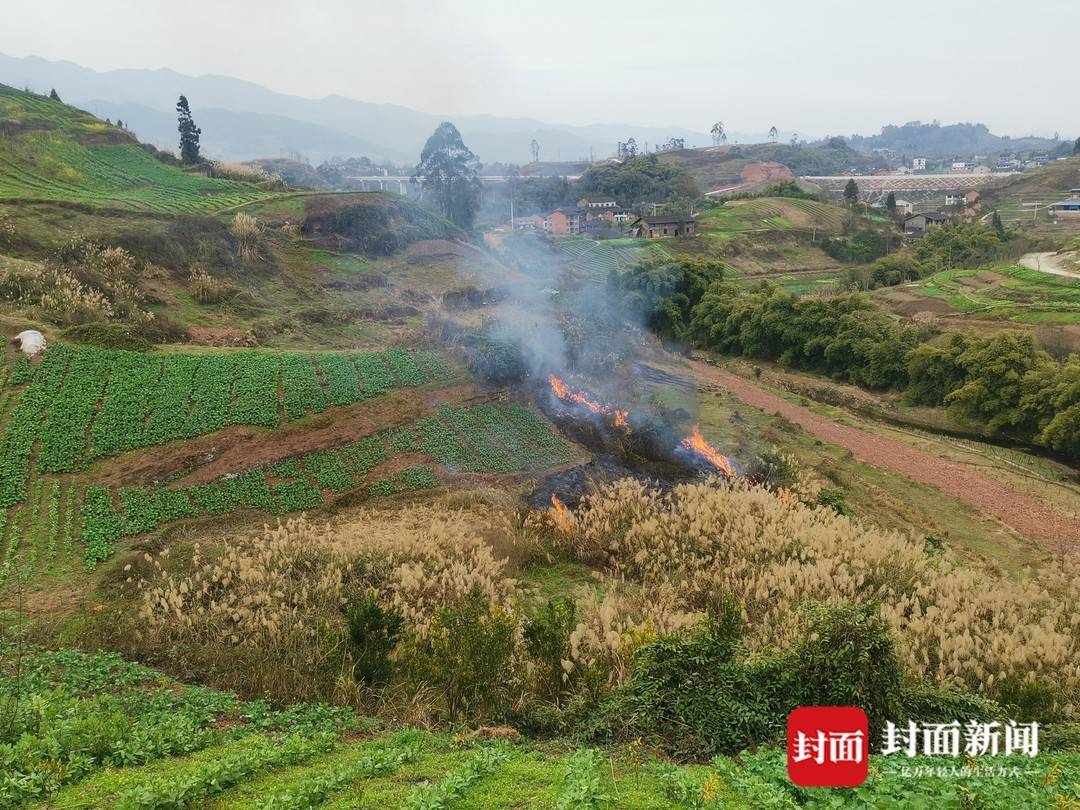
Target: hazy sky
<point>816,66</point>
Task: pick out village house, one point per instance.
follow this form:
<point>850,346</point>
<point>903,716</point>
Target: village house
<point>918,164</point>
<point>563,221</point>
<point>904,208</point>
<point>656,227</point>
<point>917,225</point>
<point>530,223</point>
<point>1006,162</point>
<point>597,202</point>
<point>610,215</point>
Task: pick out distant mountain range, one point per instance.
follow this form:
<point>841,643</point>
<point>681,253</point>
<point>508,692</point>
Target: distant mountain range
<point>242,120</point>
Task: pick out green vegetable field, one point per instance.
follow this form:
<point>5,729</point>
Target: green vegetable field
<point>494,438</point>
<point>81,405</point>
<point>97,731</point>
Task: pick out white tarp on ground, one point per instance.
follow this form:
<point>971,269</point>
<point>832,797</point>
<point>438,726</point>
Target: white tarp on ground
<point>30,341</point>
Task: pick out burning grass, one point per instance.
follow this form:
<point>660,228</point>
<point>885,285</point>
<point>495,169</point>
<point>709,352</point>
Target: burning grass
<point>619,418</point>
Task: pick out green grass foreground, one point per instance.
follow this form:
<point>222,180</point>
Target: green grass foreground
<point>92,730</point>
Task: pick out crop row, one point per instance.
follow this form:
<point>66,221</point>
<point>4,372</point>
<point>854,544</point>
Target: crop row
<point>86,403</point>
<point>114,174</point>
<point>37,535</point>
<point>23,425</point>
<point>493,438</point>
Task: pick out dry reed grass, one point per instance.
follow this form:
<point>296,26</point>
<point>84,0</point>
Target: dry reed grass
<point>956,625</point>
<point>245,228</point>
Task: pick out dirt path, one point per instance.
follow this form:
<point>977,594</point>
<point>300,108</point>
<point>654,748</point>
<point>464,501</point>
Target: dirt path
<point>1047,263</point>
<point>1025,515</point>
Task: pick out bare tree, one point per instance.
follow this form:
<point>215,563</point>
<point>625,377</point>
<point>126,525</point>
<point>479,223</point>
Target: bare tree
<point>535,147</point>
<point>773,133</point>
<point>718,134</point>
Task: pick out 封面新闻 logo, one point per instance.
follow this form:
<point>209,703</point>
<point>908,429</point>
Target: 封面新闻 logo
<point>828,746</point>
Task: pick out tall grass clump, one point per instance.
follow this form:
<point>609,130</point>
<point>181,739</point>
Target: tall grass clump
<point>669,556</point>
<point>245,229</point>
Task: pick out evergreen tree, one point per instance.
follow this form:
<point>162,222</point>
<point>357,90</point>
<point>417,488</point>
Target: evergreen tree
<point>189,133</point>
<point>449,170</point>
<point>851,192</point>
<point>1076,147</point>
<point>999,226</point>
<point>54,95</point>
<point>890,203</point>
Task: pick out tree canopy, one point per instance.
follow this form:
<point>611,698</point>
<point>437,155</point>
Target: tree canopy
<point>641,179</point>
<point>189,133</point>
<point>450,172</point>
<point>851,191</point>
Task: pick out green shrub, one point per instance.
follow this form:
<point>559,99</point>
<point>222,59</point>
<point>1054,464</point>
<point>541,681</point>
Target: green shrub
<point>834,499</point>
<point>108,336</point>
<point>547,640</point>
<point>373,634</point>
<point>467,657</point>
<point>699,694</point>
<point>935,704</point>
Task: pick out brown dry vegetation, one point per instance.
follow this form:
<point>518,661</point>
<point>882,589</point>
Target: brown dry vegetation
<point>956,625</point>
<point>267,608</point>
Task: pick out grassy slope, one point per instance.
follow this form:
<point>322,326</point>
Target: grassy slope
<point>241,754</point>
<point>719,166</point>
<point>51,151</point>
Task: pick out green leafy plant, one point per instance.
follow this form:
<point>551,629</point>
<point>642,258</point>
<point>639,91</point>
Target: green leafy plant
<point>373,633</point>
<point>467,657</point>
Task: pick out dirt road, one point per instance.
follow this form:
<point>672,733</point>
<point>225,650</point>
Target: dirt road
<point>1047,263</point>
<point>1025,515</point>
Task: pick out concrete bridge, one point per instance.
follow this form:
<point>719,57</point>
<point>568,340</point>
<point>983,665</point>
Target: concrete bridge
<point>408,186</point>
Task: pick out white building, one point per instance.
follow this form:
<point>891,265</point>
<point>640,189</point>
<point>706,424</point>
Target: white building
<point>918,164</point>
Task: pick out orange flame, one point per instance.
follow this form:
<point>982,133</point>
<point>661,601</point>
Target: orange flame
<point>562,517</point>
<point>696,443</point>
<point>563,391</point>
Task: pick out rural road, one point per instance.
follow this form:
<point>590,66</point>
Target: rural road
<point>1027,516</point>
<point>1047,263</point>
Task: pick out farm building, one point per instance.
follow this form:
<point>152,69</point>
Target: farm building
<point>1066,208</point>
<point>918,224</point>
<point>660,226</point>
<point>904,207</point>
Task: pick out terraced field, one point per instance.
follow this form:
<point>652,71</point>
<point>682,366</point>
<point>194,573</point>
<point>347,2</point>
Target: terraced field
<point>81,405</point>
<point>600,258</point>
<point>54,152</point>
<point>116,734</point>
<point>1002,292</point>
<point>772,213</point>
